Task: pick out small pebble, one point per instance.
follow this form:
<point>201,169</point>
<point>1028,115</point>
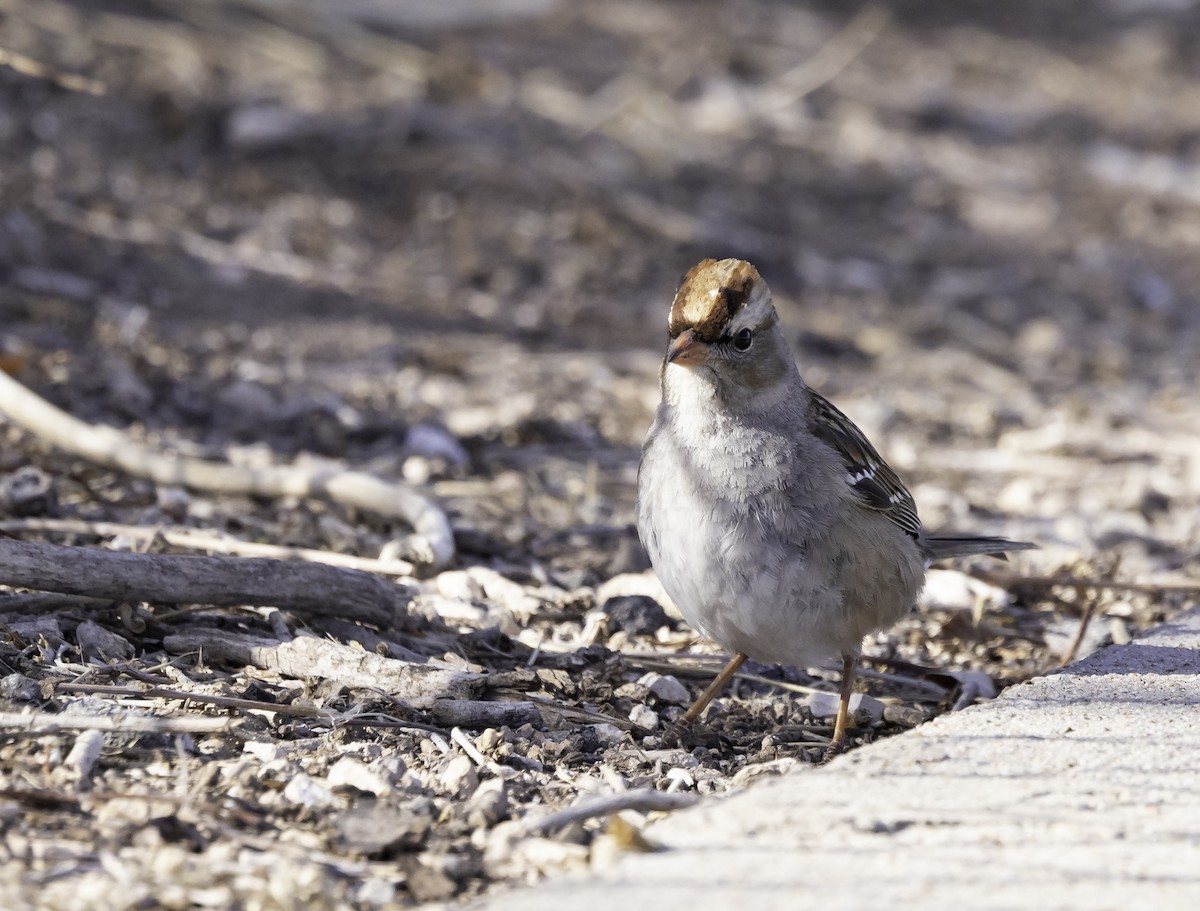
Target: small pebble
<point>488,805</point>
<point>348,772</point>
<point>608,734</point>
<point>459,776</point>
<point>644,717</point>
<point>638,615</point>
<point>97,642</point>
<point>825,705</point>
<point>306,791</point>
<point>666,688</point>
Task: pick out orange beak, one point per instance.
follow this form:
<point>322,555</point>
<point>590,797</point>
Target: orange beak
<point>686,350</point>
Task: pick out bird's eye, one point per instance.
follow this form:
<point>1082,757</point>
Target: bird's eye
<point>742,340</point>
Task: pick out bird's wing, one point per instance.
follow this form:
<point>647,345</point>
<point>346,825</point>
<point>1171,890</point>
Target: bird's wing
<point>877,486</point>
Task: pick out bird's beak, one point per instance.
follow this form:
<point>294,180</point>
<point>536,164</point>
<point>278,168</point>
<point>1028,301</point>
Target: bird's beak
<point>687,350</point>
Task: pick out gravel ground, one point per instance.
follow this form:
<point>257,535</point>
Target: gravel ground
<point>440,246</point>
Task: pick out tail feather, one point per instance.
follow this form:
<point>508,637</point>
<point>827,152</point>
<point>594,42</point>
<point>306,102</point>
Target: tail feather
<point>942,548</point>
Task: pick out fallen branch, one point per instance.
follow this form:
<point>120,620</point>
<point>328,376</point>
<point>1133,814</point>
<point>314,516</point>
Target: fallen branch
<point>164,692</point>
<point>307,657</point>
<point>30,67</point>
<point>44,723</point>
<point>1010,580</point>
<point>477,715</point>
<point>434,541</point>
<point>200,539</point>
<point>222,581</point>
<point>30,603</point>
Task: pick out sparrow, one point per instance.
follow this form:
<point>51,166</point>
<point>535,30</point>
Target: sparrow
<point>772,522</point>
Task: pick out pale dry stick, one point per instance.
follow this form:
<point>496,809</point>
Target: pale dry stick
<point>780,684</point>
<point>823,67</point>
<point>643,800</point>
<point>222,581</point>
<point>1081,584</point>
<point>472,751</point>
<point>228,702</point>
<point>384,720</point>
<point>1010,580</point>
<point>349,38</point>
<point>44,723</point>
<point>925,686</point>
<point>678,665</point>
<point>30,67</point>
<point>434,544</point>
<point>307,657</point>
<point>199,539</point>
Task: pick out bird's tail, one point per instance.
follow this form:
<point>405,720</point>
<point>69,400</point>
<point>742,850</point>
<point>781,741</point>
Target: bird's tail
<point>952,546</point>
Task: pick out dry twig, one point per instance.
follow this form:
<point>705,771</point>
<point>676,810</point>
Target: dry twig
<point>45,723</point>
<point>642,800</point>
<point>308,657</point>
<point>223,581</point>
<point>199,539</point>
<point>434,544</point>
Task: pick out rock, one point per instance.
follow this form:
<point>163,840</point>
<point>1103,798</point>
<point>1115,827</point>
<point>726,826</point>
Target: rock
<point>645,584</point>
<point>949,589</point>
<point>644,717</point>
<point>96,642</point>
<point>20,688</point>
<point>246,405</point>
<point>489,804</point>
<point>509,854</point>
<point>348,772</point>
<point>266,125</point>
<point>264,751</point>
<point>306,791</point>
<point>82,759</point>
<point>608,735</point>
<point>35,628</point>
<point>908,715</point>
<point>458,585</point>
<point>975,685</point>
<point>426,883</point>
<point>374,827</point>
<point>431,442</point>
<point>450,610</point>
<point>459,776</point>
<point>28,491</point>
<point>825,705</point>
<point>639,615</point>
<point>505,592</point>
<point>665,688</point>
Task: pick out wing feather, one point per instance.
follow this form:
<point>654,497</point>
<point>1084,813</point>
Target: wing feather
<point>877,485</point>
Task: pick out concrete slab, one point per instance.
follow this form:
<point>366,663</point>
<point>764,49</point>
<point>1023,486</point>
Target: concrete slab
<point>1079,790</point>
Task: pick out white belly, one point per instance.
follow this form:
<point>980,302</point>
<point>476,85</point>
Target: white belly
<point>741,571</point>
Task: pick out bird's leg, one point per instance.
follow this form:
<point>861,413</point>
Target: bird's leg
<point>849,662</point>
<point>713,688</point>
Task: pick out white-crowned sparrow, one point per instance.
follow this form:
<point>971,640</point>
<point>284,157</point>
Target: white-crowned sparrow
<point>770,519</point>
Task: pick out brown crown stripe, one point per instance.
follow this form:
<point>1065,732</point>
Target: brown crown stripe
<point>710,294</point>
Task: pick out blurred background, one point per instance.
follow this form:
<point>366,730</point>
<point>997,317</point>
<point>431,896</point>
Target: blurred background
<point>315,224</point>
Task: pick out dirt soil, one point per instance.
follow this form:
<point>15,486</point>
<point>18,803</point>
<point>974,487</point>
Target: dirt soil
<point>437,242</point>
